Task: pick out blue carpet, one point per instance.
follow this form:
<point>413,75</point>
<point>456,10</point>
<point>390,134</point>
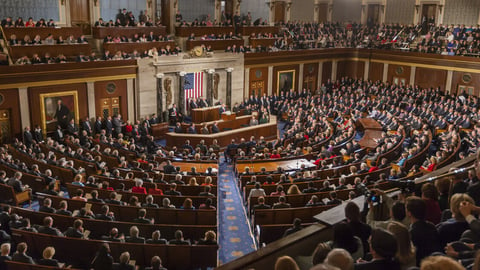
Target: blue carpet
<point>235,235</point>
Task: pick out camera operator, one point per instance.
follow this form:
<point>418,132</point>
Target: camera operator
<point>383,210</point>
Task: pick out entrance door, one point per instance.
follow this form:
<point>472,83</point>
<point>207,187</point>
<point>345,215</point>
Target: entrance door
<point>279,12</point>
<point>428,19</point>
<point>373,14</point>
<point>5,126</point>
<point>80,15</point>
<point>110,106</point>
<point>322,13</point>
<point>228,7</point>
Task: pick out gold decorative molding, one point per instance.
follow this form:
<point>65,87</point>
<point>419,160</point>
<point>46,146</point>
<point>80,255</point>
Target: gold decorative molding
<point>67,81</point>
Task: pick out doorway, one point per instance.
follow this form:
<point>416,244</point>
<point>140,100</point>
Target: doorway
<point>429,12</point>
<point>322,13</point>
<point>373,14</point>
<point>80,15</point>
<point>279,12</point>
<point>110,106</point>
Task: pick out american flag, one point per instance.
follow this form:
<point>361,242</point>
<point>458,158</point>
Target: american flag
<point>193,86</point>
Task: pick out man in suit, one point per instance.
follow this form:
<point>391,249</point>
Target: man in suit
<point>261,204</point>
<point>117,124</point>
<point>206,192</point>
<point>311,188</point>
<point>72,128</point>
<point>113,236</point>
<point>63,210</point>
<point>178,128</point>
<point>142,213</point>
<point>282,203</point>
<point>193,104</point>
<point>104,213</point>
<point>21,254</point>
<point>27,137</point>
<point>38,134</point>
<point>297,226</point>
<point>424,234</point>
<point>87,126</point>
<point>178,239</point>
<point>16,182</point>
<point>62,114</point>
<point>47,206</point>
<point>98,126</point>
<point>134,238</point>
<point>191,129</point>
<point>169,168</point>
<point>173,190</point>
<point>383,246</point>
<point>215,128</point>
<point>108,125</point>
<point>58,135</point>
<point>222,109</point>
<point>154,119</point>
<point>48,228</point>
<point>174,115</point>
<point>76,231</point>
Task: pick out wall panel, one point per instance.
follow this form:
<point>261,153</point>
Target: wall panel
<point>399,72</point>
<point>399,11</point>
<point>10,101</point>
<point>347,11</point>
<point>375,72</point>
<point>461,12</point>
<point>426,77</point>
<point>110,8</point>
<point>310,76</point>
<point>302,10</point>
<point>103,90</point>
<point>353,69</point>
<point>196,9</point>
<point>258,81</point>
<point>326,71</point>
<point>258,9</point>
<point>466,80</point>
<point>47,9</point>
<point>34,99</point>
<point>278,69</point>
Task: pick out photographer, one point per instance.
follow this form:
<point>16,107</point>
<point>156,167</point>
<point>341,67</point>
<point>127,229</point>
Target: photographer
<point>395,210</point>
<point>379,205</point>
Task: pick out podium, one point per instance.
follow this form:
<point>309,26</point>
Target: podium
<point>208,114</point>
<point>229,116</point>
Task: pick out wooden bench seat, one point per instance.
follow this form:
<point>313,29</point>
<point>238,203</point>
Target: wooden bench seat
<point>8,195</point>
<point>286,216</point>
<point>161,215</point>
<point>98,228</point>
<point>81,252</point>
<point>69,50</point>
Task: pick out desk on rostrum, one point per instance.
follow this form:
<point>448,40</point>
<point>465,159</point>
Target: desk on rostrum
<point>207,114</point>
<point>269,131</point>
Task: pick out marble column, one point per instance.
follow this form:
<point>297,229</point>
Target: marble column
<point>132,98</point>
<point>334,70</point>
<point>385,72</point>
<point>366,70</point>
<point>300,77</point>
<point>91,100</point>
<point>246,90</point>
<point>160,96</point>
<point>210,86</point>
<point>24,107</point>
<point>229,87</point>
<point>448,84</point>
<point>181,92</point>
<point>413,71</point>
<point>271,89</point>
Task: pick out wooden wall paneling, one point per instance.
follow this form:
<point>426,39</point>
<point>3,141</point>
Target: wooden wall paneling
<point>375,72</point>
<point>276,69</point>
<point>10,101</point>
<point>326,71</point>
<point>426,77</point>
<point>258,83</point>
<point>310,76</point>
<point>399,72</point>
<point>112,89</point>
<point>34,99</point>
<point>279,11</point>
<point>349,68</point>
<point>467,81</point>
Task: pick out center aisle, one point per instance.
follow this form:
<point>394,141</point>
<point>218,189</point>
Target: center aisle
<point>235,236</point>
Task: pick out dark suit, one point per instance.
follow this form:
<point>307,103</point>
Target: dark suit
<point>474,192</point>
<point>74,233</point>
<point>87,127</point>
<point>98,127</point>
<point>140,240</point>
<point>38,135</point>
<point>16,184</point>
<point>378,265</point>
<point>425,238</point>
<point>72,129</point>
<point>49,230</point>
<point>24,258</point>
<point>178,242</point>
<point>27,138</point>
<point>215,129</point>
<point>160,241</point>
